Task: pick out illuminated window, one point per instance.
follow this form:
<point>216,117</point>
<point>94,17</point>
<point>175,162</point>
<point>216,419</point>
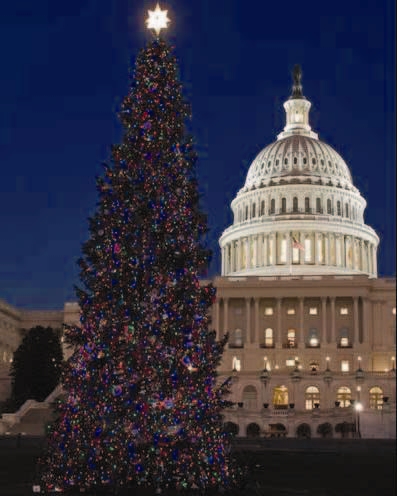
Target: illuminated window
<point>313,339</point>
<point>269,342</point>
<point>280,397</point>
<point>250,397</point>
<point>344,395</point>
<point>344,311</point>
<point>269,311</point>
<point>344,342</point>
<point>312,396</point>
<point>291,338</point>
<point>393,311</point>
<point>313,311</point>
<point>254,210</point>
<point>290,362</point>
<point>344,365</point>
<point>291,311</point>
<point>376,398</point>
<point>236,364</point>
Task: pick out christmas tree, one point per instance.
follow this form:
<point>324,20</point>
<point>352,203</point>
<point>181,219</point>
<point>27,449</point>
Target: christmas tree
<point>143,406</point>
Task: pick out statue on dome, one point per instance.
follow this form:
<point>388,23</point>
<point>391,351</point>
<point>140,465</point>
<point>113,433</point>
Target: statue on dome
<point>297,91</point>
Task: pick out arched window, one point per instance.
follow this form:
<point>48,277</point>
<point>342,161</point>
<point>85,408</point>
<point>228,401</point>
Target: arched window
<point>285,161</point>
<point>312,397</point>
<point>346,210</point>
<point>250,397</point>
<point>236,364</point>
<point>344,395</point>
<point>283,205</point>
<point>295,204</point>
<point>343,339</point>
<point>338,209</point>
<point>269,338</point>
<point>263,207</point>
<point>280,397</point>
<point>313,340</point>
<point>318,205</point>
<point>272,206</point>
<point>329,206</point>
<point>295,160</point>
<point>291,339</point>
<point>376,398</point>
<point>307,204</point>
<point>254,210</point>
<point>246,213</point>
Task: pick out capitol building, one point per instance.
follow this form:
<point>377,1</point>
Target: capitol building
<point>312,336</point>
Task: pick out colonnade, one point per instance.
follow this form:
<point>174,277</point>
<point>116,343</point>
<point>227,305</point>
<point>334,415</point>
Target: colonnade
<point>328,332</point>
<point>325,249</point>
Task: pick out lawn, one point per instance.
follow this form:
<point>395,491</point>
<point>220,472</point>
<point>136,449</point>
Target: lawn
<point>283,468</point>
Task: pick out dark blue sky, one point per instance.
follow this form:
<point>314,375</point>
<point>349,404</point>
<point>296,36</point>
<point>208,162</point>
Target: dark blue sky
<point>65,69</point>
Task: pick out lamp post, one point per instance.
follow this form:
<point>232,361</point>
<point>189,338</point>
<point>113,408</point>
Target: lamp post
<point>358,407</point>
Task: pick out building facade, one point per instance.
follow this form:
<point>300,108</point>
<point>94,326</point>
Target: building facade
<point>312,335</point>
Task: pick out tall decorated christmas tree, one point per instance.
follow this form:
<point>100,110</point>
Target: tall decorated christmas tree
<point>143,405</point>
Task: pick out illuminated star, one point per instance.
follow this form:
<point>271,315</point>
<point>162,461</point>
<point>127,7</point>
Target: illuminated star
<point>158,19</point>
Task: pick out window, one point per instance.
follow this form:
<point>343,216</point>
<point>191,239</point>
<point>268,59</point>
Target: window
<point>339,211</point>
<point>272,206</point>
<point>283,205</point>
<point>290,362</point>
<point>346,210</point>
<point>313,339</point>
<point>314,366</point>
<point>250,397</point>
<point>262,207</point>
<point>312,397</point>
<point>307,204</point>
<point>291,338</point>
<point>254,210</point>
<point>318,205</point>
<point>238,338</point>
<point>295,204</point>
<point>344,341</point>
<point>344,311</point>
<point>291,311</point>
<point>329,208</point>
<point>269,342</point>
<point>393,311</point>
<point>280,397</point>
<point>238,311</point>
<point>236,364</point>
<point>344,365</point>
<point>246,213</point>
<point>313,311</point>
<point>344,396</point>
<point>376,398</point>
<point>269,311</point>
<point>295,160</point>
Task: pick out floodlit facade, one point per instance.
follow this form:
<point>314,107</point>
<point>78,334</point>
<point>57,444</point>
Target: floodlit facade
<point>312,334</point>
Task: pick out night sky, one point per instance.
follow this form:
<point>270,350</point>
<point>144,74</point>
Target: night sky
<point>66,67</point>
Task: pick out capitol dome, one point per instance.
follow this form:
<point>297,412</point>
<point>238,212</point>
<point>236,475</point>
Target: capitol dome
<point>298,211</point>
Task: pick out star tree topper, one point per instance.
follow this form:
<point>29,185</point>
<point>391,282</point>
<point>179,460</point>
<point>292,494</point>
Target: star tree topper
<point>158,19</point>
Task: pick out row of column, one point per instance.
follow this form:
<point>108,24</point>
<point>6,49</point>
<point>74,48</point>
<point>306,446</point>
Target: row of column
<point>262,250</point>
<point>255,320</point>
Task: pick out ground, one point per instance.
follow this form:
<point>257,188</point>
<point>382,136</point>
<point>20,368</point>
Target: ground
<point>277,467</point>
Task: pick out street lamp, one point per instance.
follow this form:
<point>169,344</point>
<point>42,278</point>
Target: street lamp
<point>358,407</point>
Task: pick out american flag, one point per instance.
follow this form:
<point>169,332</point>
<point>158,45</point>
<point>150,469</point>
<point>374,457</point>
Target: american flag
<point>296,244</point>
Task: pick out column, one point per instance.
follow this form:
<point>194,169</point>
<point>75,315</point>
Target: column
<point>259,250</point>
<point>301,323</point>
<point>375,263</point>
<point>223,261</point>
<point>255,251</point>
<point>333,334</point>
<point>315,249</point>
<point>248,252</point>
<point>256,310</point>
<point>327,255</point>
<point>265,254</point>
<point>301,252</point>
<point>362,249</point>
<point>238,259</point>
<point>279,343</point>
<point>217,327</point>
<point>343,250</point>
<point>248,319</point>
<point>353,242</point>
<point>274,249</point>
<point>225,315</point>
<point>324,320</point>
<point>366,316</point>
<point>356,337</point>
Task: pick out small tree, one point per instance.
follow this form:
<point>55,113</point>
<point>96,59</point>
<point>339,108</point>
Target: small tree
<point>325,429</point>
<point>36,366</point>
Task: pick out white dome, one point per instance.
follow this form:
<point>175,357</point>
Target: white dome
<point>298,155</point>
<point>298,212</point>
